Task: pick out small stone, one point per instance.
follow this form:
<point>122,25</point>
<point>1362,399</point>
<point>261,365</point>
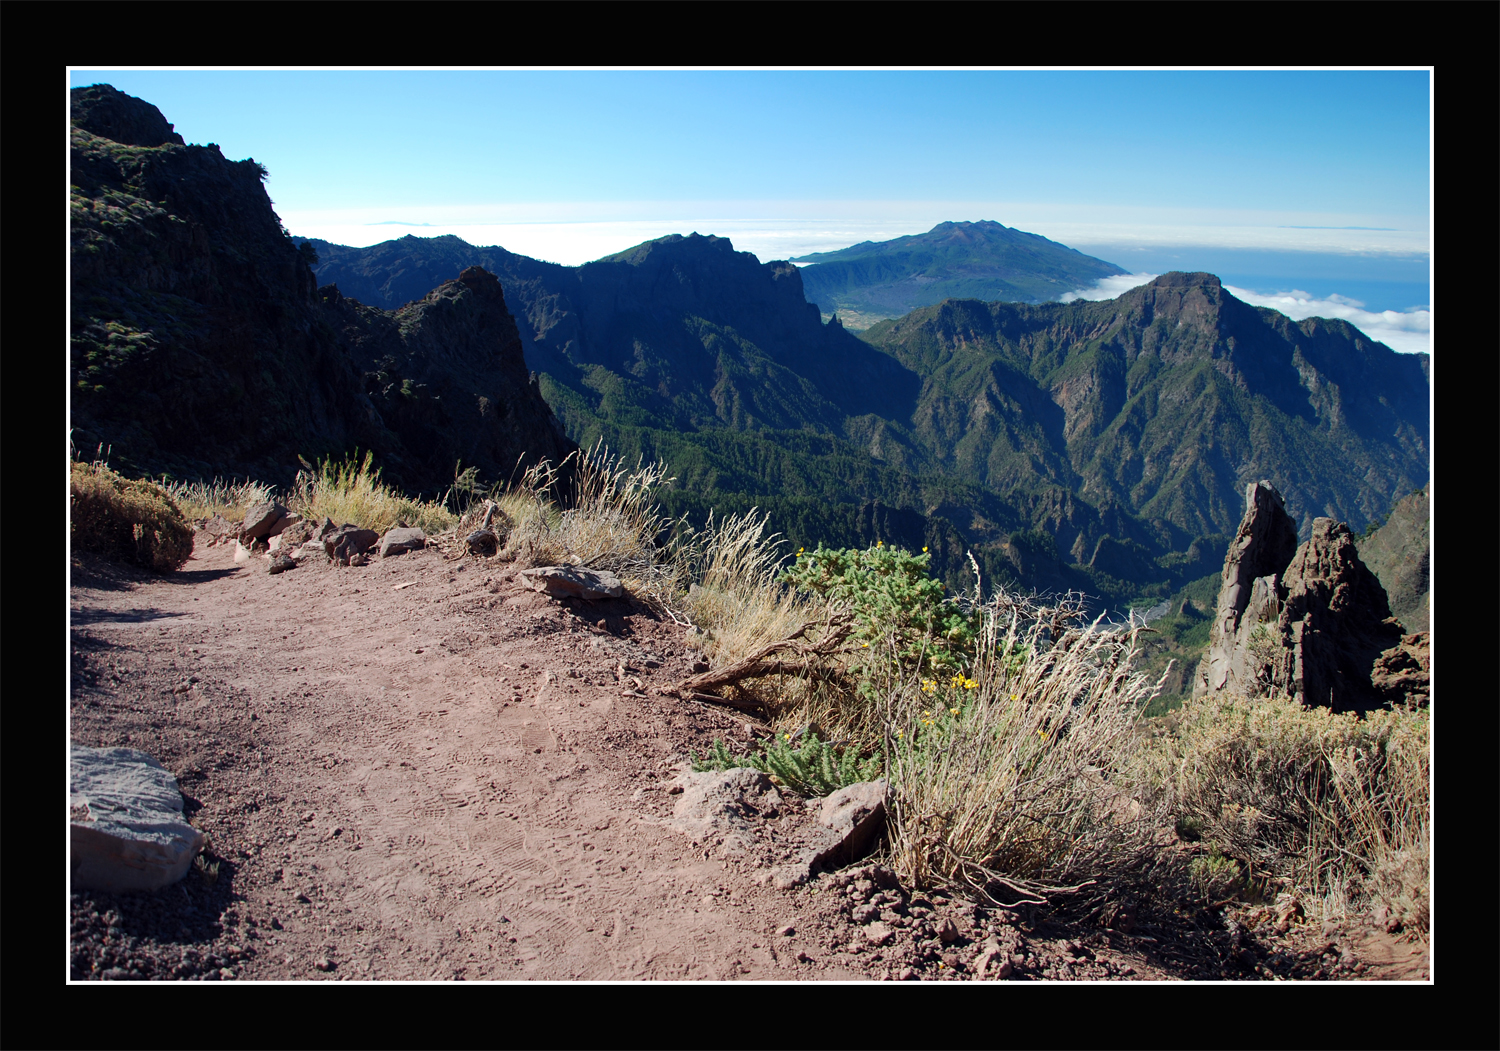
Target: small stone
<point>802,957</point>
<point>906,974</point>
<point>282,562</point>
<point>260,519</point>
<point>226,974</point>
<point>398,541</point>
<point>878,933</point>
<point>787,931</point>
<point>323,963</point>
<point>948,932</point>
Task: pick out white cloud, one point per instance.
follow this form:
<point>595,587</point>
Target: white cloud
<point>1408,331</point>
<point>1109,287</point>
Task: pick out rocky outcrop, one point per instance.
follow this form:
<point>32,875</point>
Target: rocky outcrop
<point>127,829</point>
<point>202,346</point>
<point>111,114</point>
<point>1310,622</point>
<point>1260,551</point>
<point>1335,621</point>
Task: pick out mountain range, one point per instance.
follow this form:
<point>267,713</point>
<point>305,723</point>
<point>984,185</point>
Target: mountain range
<point>1101,445</point>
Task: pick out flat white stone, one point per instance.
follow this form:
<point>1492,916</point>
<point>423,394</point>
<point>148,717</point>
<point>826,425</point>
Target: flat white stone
<point>127,830</point>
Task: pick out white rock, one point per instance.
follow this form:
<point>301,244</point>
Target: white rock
<point>127,830</point>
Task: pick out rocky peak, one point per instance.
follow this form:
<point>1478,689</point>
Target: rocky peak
<point>1308,621</point>
<point>1261,550</point>
<point>111,114</point>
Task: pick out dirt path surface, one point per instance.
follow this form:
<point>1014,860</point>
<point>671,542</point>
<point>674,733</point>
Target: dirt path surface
<point>417,769</point>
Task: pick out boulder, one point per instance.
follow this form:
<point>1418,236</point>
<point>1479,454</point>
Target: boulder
<point>347,542</point>
<point>399,541</point>
<point>855,814</point>
<point>281,563</point>
<point>849,825</point>
<point>261,518</point>
<point>284,523</point>
<point>127,829</point>
<point>307,550</point>
<point>241,553</point>
<point>573,582</point>
<point>717,800</point>
<point>220,529</point>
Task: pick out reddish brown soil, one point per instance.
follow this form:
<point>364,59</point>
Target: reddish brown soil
<point>416,769</point>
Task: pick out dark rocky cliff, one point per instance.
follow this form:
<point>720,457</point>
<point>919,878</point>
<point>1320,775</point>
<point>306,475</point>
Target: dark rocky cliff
<point>201,345</point>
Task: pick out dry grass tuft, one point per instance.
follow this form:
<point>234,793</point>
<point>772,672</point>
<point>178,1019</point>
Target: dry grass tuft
<point>134,521</point>
<point>200,500</point>
<point>353,492</point>
<point>1005,780</point>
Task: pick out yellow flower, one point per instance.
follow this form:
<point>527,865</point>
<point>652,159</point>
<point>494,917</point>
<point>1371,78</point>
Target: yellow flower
<point>924,551</point>
<point>953,710</point>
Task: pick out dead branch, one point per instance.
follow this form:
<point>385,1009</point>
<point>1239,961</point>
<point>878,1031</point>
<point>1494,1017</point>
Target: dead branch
<point>758,664</point>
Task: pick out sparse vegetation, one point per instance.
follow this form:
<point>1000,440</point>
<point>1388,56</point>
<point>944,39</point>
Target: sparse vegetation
<point>229,499</point>
<point>1334,806</point>
<point>811,767</point>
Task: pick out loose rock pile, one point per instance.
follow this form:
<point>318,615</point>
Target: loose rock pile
<point>286,540</point>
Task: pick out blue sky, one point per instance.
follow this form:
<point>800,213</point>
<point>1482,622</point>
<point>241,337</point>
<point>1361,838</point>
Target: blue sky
<point>1311,182</point>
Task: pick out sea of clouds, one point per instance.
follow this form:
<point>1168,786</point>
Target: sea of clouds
<point>1407,331</point>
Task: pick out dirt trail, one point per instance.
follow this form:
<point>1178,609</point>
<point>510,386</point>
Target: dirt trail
<point>417,769</point>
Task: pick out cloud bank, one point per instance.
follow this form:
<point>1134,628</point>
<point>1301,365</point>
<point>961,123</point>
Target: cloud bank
<point>1406,331</point>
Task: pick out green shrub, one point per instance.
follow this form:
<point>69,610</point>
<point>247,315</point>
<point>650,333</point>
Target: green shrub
<point>894,602</point>
<point>812,768</point>
<point>133,521</point>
